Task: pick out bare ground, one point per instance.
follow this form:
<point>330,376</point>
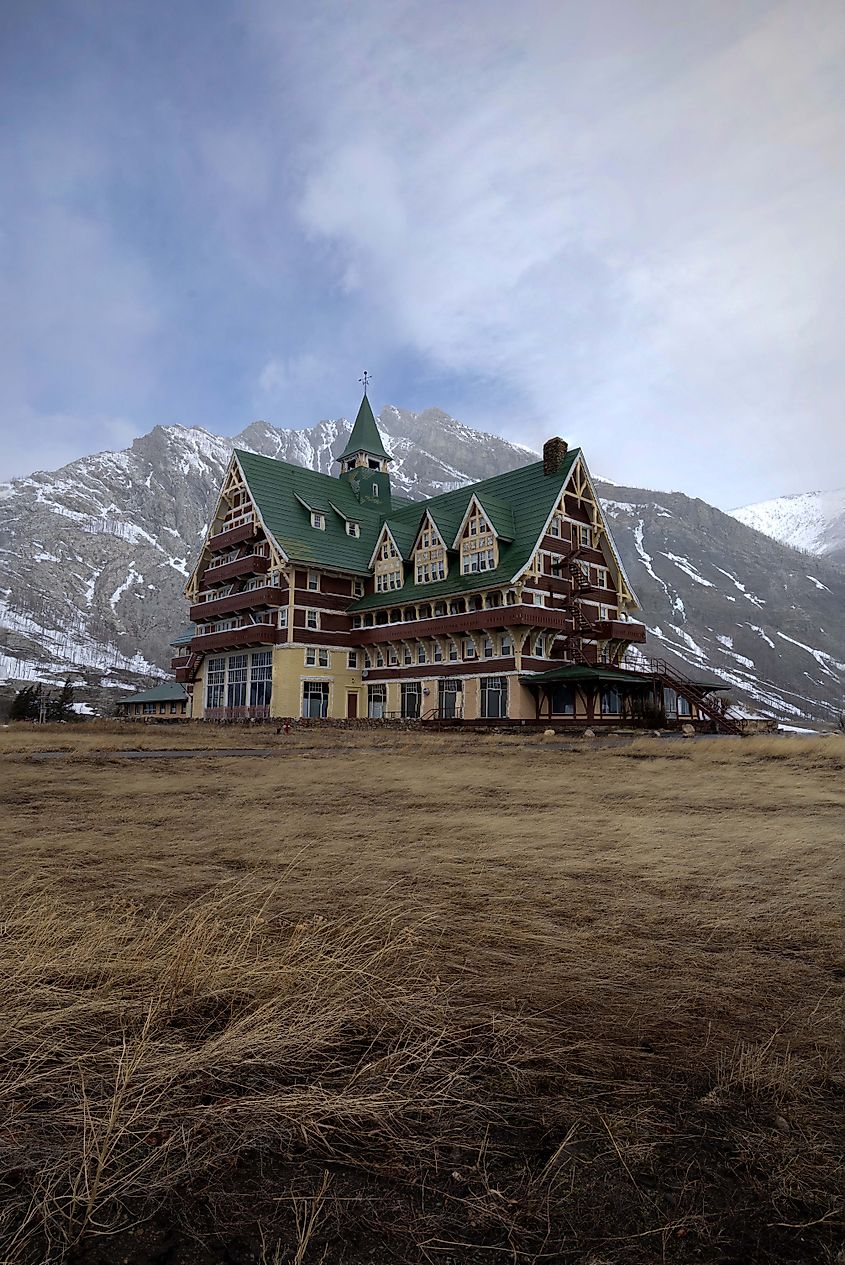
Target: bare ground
<point>415,998</point>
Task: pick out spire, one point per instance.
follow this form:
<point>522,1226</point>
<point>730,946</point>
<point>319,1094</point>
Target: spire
<point>365,437</point>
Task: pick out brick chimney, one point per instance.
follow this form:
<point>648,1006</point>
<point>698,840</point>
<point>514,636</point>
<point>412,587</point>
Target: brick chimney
<point>554,452</point>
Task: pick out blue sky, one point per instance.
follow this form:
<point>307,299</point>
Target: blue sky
<point>620,222</point>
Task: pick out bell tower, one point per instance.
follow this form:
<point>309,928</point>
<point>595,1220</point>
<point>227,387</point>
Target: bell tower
<point>364,461</point>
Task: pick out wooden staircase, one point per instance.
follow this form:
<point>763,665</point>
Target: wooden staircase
<point>673,678</point>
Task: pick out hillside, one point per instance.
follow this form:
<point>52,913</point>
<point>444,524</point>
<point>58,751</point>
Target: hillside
<point>94,556</point>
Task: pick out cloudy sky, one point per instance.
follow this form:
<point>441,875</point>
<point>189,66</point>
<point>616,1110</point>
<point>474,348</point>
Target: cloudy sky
<point>619,221</point>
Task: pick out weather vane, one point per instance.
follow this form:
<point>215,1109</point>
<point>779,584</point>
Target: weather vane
<point>365,380</point>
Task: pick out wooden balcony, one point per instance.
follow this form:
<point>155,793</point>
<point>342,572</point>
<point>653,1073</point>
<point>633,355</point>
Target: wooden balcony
<point>234,638</point>
<point>249,564</point>
<point>519,616</point>
<point>247,599</point>
<point>620,629</point>
<point>234,536</point>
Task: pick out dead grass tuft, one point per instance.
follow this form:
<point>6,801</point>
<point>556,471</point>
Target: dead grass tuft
<point>556,1005</point>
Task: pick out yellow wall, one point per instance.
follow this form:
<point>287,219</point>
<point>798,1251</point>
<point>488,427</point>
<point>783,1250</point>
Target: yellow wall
<point>290,670</point>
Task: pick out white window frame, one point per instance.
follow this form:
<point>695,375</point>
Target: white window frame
<point>312,581</point>
<point>318,520</point>
<point>312,619</point>
<point>352,659</point>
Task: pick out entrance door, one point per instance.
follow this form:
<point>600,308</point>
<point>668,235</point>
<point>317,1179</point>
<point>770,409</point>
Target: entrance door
<point>352,705</point>
<point>450,698</point>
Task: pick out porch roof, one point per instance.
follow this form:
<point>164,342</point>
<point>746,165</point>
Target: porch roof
<point>586,674</point>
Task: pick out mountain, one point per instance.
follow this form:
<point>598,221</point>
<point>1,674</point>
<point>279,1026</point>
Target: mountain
<point>94,556</point>
<point>813,521</point>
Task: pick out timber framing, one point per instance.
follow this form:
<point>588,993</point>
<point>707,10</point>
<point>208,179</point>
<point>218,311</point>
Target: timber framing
<point>502,602</point>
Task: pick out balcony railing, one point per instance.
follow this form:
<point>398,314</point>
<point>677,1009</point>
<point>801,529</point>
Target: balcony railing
<point>247,565</point>
<point>620,629</point>
<point>232,535</point>
<point>237,713</point>
<point>232,638</point>
<point>267,595</point>
<point>516,616</point>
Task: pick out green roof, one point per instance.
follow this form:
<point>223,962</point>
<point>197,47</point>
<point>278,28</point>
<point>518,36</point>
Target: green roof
<point>185,637</point>
<point>365,435</point>
<point>284,494</point>
<point>528,495</point>
<point>584,672</point>
<point>167,692</point>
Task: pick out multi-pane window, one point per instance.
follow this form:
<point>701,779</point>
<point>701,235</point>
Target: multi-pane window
<point>376,701</point>
<point>507,647</point>
<point>563,700</point>
<point>604,653</point>
<point>555,525</point>
<point>379,659</point>
<point>611,702</point>
<point>352,659</point>
<point>430,557</point>
<point>313,581</point>
<point>585,536</point>
<point>488,648</point>
<point>236,687</point>
<point>469,649</point>
<point>420,652</point>
<point>411,698</point>
<point>478,548</point>
<point>353,529</point>
<point>453,652</point>
<point>318,520</point>
<point>317,656</point>
<point>283,617</point>
<point>437,652</point>
<point>392,657</point>
<point>357,588</point>
<point>260,678</point>
<point>215,680</point>
<point>387,551</point>
<point>494,697</point>
<point>312,619</point>
<point>387,580</point>
<point>603,577</point>
<point>540,647</point>
<point>407,657</point>
<point>315,699</point>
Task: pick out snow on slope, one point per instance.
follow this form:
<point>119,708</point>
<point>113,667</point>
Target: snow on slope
<point>813,521</point>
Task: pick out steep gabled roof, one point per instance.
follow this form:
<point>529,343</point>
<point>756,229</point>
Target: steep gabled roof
<point>281,492</point>
<point>365,435</point>
<point>530,492</point>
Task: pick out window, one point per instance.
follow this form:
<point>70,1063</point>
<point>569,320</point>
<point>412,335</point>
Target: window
<point>420,653</point>
<point>315,699</point>
<point>376,701</point>
<point>488,648</point>
<point>392,657</point>
<point>494,697</point>
<point>312,620</point>
<point>236,692</point>
<point>540,647</point>
<point>215,679</point>
<point>283,617</point>
<point>379,659</point>
<point>437,652</point>
<point>375,490</point>
<point>507,647</point>
<point>357,588</point>
<point>318,520</point>
<point>368,663</point>
<point>261,678</point>
<point>469,650</point>
<point>603,577</point>
<point>313,582</point>
<point>453,652</point>
<point>604,653</point>
<point>683,706</point>
<point>387,580</point>
<point>353,529</point>
<point>352,659</point>
<point>563,700</point>
<point>605,612</point>
<point>411,697</point>
<point>149,709</point>
<point>554,525</point>
<point>323,658</point>
<point>670,702</point>
<point>407,657</point>
<point>172,709</point>
<point>585,537</point>
<point>611,702</point>
<point>311,656</point>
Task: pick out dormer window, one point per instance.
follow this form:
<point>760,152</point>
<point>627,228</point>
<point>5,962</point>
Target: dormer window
<point>353,529</point>
<point>318,520</point>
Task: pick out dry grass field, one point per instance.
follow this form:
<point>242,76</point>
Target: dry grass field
<point>383,997</point>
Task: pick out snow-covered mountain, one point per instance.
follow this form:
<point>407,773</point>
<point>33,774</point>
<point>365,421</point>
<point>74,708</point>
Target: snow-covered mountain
<point>94,556</point>
<point>813,521</point>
